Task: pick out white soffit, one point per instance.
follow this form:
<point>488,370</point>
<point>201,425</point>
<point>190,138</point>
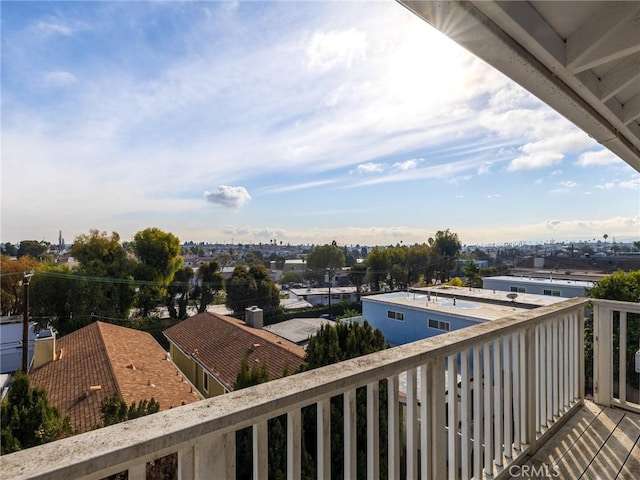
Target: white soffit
<point>582,58</point>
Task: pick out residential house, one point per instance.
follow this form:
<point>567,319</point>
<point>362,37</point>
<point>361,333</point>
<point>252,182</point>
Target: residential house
<point>100,360</point>
<point>555,287</point>
<point>405,317</point>
<point>209,349</point>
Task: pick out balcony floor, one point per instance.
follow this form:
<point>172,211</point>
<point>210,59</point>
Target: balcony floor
<point>596,443</point>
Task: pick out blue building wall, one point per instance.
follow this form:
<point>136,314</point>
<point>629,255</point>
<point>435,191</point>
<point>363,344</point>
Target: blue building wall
<point>414,324</point>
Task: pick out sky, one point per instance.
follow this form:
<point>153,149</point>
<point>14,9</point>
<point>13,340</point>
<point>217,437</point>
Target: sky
<point>304,122</point>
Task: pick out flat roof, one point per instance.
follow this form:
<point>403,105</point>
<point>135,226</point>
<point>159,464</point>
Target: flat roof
<point>323,291</point>
<point>490,295</point>
<point>298,330</point>
<point>543,281</point>
<point>463,308</point>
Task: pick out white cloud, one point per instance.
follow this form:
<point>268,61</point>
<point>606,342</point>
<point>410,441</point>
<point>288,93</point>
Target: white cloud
<point>328,50</point>
<point>598,158</point>
<point>54,27</point>
<point>568,184</point>
<point>296,187</point>
<point>59,79</point>
<point>531,162</point>
<point>633,184</point>
<point>408,164</point>
<point>370,167</point>
<point>230,197</point>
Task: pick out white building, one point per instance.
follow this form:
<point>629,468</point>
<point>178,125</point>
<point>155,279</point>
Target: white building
<point>11,343</point>
<point>405,317</point>
<point>554,287</point>
<point>320,296</point>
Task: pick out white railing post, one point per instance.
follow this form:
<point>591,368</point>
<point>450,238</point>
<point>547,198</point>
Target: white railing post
<point>393,427</point>
<point>452,414</point>
<point>323,436</point>
<point>602,355</point>
<point>294,439</point>
<point>350,452</point>
<point>137,472</point>
<point>260,451</point>
<point>622,366</point>
<point>438,420</point>
<point>529,396</point>
<point>373,431</point>
<point>412,425</point>
<point>211,453</point>
<point>426,428</point>
<point>465,415</point>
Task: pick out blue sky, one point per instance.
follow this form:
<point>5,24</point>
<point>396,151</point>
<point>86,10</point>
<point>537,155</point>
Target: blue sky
<point>300,121</point>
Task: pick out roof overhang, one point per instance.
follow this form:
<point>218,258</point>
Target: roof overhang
<point>582,58</point>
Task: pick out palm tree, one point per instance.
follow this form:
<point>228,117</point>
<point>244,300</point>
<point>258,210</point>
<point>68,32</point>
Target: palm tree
<point>605,236</point>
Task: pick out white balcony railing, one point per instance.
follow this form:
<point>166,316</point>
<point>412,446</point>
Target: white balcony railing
<point>528,371</point>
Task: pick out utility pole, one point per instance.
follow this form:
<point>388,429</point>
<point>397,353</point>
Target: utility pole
<point>25,321</point>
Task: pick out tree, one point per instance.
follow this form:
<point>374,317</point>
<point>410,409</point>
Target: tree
<point>251,287</point>
<point>447,245</point>
<point>55,294</point>
<point>13,271</point>
<point>333,344</point>
<point>9,249</point>
<point>32,248</point>
<point>472,272</point>
<point>27,418</point>
<point>106,270</point>
<point>211,281</point>
<point>624,287</point>
<point>325,257</point>
<point>179,292</point>
<point>378,265</point>
<point>115,410</point>
<point>357,274</point>
<point>159,259</point>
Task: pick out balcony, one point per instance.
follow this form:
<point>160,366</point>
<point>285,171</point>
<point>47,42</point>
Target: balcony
<point>529,411</point>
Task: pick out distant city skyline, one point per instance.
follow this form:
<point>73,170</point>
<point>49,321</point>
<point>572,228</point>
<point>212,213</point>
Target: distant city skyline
<point>306,122</point>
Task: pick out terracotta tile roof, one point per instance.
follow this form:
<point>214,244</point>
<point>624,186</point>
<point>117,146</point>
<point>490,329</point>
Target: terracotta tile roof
<point>119,360</point>
<point>219,343</point>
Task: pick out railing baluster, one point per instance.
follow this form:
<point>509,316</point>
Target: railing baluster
<point>452,423</point>
<point>426,424</point>
<point>323,444</point>
<point>572,359</point>
<point>554,369</point>
<point>488,404</point>
<point>477,412</point>
<point>260,449</point>
<point>497,402</point>
<point>579,315</point>
<point>212,453</point>
<point>465,415</point>
<point>542,359</point>
<point>294,440</point>
<point>516,386</point>
<point>186,464</point>
<point>602,355</point>
<point>393,426</point>
<point>551,372</point>
<point>350,416</point>
<point>622,358</point>
<point>530,399</point>
<point>412,424</point>
<point>438,423</point>
<point>508,397</point>
<point>373,432</point>
<point>137,472</point>
<point>564,372</point>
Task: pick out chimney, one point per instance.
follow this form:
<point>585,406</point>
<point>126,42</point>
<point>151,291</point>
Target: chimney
<point>45,348</point>
<point>253,317</point>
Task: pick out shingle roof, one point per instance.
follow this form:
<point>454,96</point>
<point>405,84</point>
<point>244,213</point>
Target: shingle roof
<point>219,343</point>
<point>119,360</point>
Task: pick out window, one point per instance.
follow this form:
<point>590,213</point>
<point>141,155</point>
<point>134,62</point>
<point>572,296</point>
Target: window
<point>439,325</point>
<point>205,381</point>
<point>518,289</point>
<point>553,293</point>
<point>395,315</point>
